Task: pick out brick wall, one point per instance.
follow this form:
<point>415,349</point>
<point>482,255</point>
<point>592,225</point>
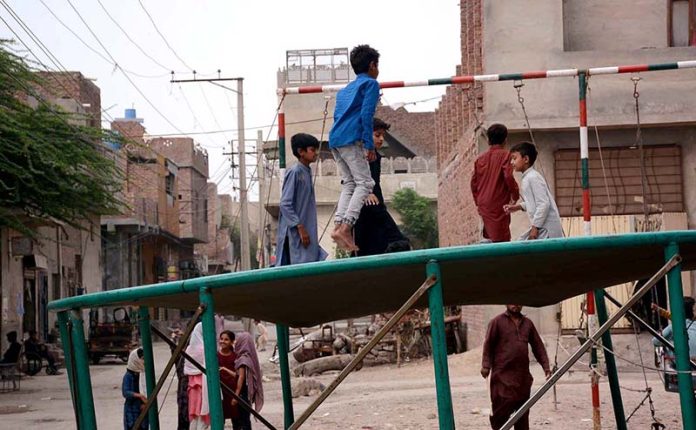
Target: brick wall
<point>456,121</point>
<point>457,131</point>
<point>414,129</point>
<point>75,86</point>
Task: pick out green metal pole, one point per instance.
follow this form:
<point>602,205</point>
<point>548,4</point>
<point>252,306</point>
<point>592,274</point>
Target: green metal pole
<point>612,373</point>
<point>84,382</point>
<point>283,335</point>
<point>437,332</point>
<point>681,343</point>
<point>68,357</point>
<point>210,342</point>
<point>149,356</point>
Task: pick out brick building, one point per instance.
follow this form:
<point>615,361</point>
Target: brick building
<point>164,188</point>
<point>505,37</point>
<point>218,250</point>
<point>61,260</point>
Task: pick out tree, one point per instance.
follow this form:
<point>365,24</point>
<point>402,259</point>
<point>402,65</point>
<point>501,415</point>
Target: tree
<point>419,219</point>
<point>50,168</point>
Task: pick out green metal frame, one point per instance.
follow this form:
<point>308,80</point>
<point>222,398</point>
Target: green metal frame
<point>681,341</point>
<point>283,335</point>
<point>206,287</point>
<point>149,358</point>
<point>437,333</point>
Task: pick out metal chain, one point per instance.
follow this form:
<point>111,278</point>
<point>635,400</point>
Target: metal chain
<point>639,143</point>
<point>518,87</point>
<point>321,140</point>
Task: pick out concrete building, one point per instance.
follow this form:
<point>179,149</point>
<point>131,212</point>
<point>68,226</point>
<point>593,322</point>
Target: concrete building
<point>505,37</point>
<point>61,260</point>
<point>409,150</point>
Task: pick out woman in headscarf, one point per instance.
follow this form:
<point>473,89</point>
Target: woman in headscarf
<point>130,388</point>
<point>199,411</point>
<point>249,385</point>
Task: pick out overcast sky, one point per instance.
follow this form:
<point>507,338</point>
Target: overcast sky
<point>417,40</point>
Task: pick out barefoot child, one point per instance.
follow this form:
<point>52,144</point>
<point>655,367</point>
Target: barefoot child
<point>537,199</point>
<point>298,241</point>
<point>350,138</point>
<point>226,358</point>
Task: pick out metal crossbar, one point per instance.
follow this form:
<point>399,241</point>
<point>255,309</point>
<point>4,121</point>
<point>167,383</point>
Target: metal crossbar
<point>364,351</point>
<point>556,376</point>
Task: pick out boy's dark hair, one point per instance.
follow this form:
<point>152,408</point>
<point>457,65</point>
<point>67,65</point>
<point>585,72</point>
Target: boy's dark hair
<point>361,56</point>
<point>302,141</point>
<point>140,353</point>
<point>497,133</point>
<point>526,149</point>
<point>229,334</point>
<point>689,308</point>
<point>12,336</point>
<point>378,124</point>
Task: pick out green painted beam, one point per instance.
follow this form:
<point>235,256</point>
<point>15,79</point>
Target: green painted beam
<point>69,361</point>
<point>149,356</point>
<point>210,341</point>
<point>283,335</point>
<point>84,382</point>
<point>461,253</point>
<point>612,372</point>
<point>681,341</point>
<point>445,412</point>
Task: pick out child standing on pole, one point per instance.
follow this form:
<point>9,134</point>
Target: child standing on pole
<point>537,199</point>
<point>493,186</point>
<point>298,240</point>
<point>375,230</point>
<point>351,141</point>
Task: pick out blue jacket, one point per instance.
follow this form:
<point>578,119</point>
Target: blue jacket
<point>355,110</point>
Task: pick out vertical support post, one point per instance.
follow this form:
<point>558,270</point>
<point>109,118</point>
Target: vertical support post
<point>66,341</point>
<point>261,169</point>
<point>592,322</point>
<point>243,203</point>
<point>149,357</point>
<point>612,373</point>
<point>281,136</point>
<point>217,421</point>
<point>437,332</point>
<point>283,335</point>
<point>84,383</point>
<point>282,331</point>
<point>681,342</point>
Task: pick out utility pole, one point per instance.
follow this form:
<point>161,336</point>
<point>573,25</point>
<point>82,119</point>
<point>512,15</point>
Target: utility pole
<point>261,171</point>
<point>243,203</point>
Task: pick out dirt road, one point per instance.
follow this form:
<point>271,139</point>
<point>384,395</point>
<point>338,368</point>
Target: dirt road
<point>373,398</point>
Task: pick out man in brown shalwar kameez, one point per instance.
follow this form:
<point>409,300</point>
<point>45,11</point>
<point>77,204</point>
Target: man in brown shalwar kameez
<point>506,359</point>
<point>493,186</point>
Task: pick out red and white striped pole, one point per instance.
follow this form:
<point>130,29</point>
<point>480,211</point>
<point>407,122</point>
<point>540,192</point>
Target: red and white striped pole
<point>592,322</point>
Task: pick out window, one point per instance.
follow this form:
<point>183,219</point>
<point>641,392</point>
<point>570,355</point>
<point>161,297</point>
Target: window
<point>663,182</point>
<point>681,26</point>
<point>169,184</point>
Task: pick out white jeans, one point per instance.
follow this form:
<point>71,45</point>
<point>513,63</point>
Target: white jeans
<point>356,180</point>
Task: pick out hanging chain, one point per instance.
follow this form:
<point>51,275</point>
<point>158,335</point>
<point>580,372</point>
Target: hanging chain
<point>321,140</point>
<point>639,143</point>
<point>518,87</point>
